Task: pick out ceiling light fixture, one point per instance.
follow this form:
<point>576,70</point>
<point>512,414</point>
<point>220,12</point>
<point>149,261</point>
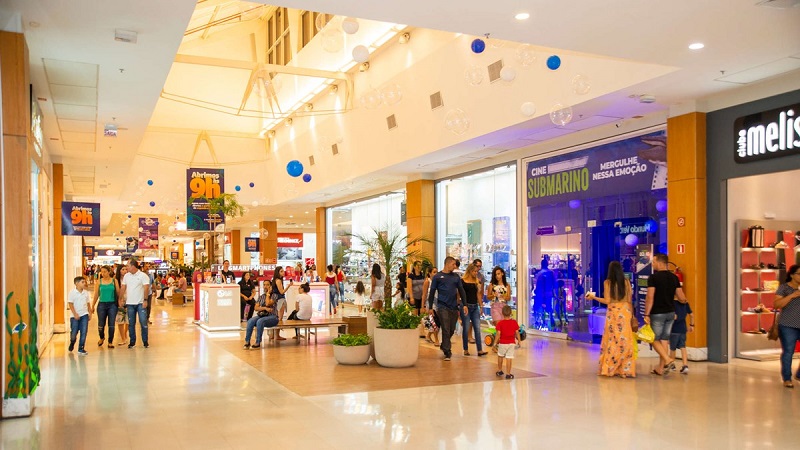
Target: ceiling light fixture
<point>696,46</point>
<point>363,67</point>
<point>309,106</point>
<point>288,122</point>
<point>333,89</point>
<point>404,38</point>
<point>522,16</point>
<point>271,133</point>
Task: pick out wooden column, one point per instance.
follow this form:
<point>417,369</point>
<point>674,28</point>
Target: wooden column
<point>236,246</point>
<point>686,199</point>
<point>59,258</point>
<point>421,215</point>
<point>322,238</point>
<point>269,245</point>
<point>16,151</point>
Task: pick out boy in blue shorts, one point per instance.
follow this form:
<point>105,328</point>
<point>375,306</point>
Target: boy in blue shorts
<point>677,338</point>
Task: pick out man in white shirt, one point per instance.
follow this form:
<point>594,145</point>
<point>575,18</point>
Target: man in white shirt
<point>135,291</point>
<point>81,309</point>
<point>302,306</point>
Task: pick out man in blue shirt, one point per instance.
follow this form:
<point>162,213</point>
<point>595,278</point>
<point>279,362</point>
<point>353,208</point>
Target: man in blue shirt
<point>451,291</point>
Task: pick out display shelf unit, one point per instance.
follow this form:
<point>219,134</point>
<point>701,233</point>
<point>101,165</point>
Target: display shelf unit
<point>758,270</point>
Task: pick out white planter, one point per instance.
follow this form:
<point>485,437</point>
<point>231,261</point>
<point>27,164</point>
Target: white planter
<point>355,354</point>
<point>396,348</point>
<point>17,407</point>
<point>372,323</point>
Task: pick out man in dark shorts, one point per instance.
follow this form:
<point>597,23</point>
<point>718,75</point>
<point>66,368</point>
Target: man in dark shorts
<point>659,311</point>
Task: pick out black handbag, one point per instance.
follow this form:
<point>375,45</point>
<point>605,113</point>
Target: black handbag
<point>755,236</point>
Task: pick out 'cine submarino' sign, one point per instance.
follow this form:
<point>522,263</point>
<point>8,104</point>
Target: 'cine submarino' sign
<point>80,219</point>
<point>203,185</point>
<point>636,164</point>
<point>766,135</point>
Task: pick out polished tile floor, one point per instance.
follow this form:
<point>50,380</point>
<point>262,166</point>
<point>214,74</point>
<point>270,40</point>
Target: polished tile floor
<point>191,390</point>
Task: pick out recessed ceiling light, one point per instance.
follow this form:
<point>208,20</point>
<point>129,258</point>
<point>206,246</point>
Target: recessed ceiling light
<point>522,16</point>
<point>291,216</point>
<point>696,46</point>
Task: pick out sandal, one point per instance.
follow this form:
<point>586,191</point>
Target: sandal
<point>110,345</point>
<point>655,372</point>
<point>670,365</point>
<point>499,373</point>
<point>483,353</point>
<point>466,353</point>
<point>510,376</point>
<point>788,384</point>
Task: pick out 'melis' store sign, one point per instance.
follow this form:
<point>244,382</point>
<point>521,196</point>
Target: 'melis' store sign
<point>769,134</point>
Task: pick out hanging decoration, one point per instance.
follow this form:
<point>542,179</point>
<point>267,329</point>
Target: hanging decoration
<point>371,99</point>
<point>474,75</point>
<point>631,240</point>
<point>661,206</point>
<point>560,115</point>
<point>332,40</point>
<point>553,62</point>
<point>581,84</point>
<point>252,184</point>
<point>294,168</point>
<point>478,45</point>
<point>149,182</point>
<point>360,54</point>
<point>525,55</point>
<point>307,178</point>
<point>391,94</point>
<point>508,74</point>
<point>457,121</point>
<point>152,203</point>
<point>238,188</point>
<point>528,109</point>
<point>350,25</point>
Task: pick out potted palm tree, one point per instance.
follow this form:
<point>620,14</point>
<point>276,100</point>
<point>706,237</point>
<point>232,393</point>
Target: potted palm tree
<point>396,336</point>
<point>224,206</point>
<point>352,349</point>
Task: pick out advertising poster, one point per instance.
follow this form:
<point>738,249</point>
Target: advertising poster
<point>80,219</point>
<point>148,233</point>
<point>252,244</point>
<point>88,251</point>
<point>501,241</point>
<point>631,165</point>
<point>203,185</point>
<point>131,245</point>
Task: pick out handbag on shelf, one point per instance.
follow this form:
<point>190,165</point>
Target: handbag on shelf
<point>755,236</point>
<point>773,333</point>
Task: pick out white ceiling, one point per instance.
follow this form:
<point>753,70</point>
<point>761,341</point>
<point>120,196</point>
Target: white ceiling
<point>87,79</point>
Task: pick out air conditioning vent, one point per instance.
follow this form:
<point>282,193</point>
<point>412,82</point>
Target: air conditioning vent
<point>436,100</point>
<point>494,70</point>
<point>311,160</point>
<point>391,122</point>
<point>335,149</point>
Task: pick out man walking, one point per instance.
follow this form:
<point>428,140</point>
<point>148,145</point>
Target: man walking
<point>135,291</point>
<point>659,310</point>
<point>451,290</point>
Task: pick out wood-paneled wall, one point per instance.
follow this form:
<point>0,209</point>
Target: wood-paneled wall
<point>322,236</point>
<point>421,215</point>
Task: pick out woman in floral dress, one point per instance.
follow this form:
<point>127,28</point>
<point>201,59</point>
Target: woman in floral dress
<point>617,346</point>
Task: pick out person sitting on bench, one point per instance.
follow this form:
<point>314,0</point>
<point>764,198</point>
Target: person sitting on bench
<point>302,306</point>
<point>266,317</point>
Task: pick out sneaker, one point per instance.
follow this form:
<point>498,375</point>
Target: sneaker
<point>146,345</point>
<point>447,358</point>
<point>82,352</point>
<point>110,345</point>
<point>685,370</point>
<point>130,345</point>
<point>247,346</point>
<point>100,342</point>
<point>71,346</point>
<point>256,346</point>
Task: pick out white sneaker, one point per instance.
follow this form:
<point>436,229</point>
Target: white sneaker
<point>685,370</point>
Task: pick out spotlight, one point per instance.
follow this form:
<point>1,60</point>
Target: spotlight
<point>288,122</point>
<point>271,134</point>
<point>309,106</point>
<point>404,38</point>
<point>363,67</point>
<point>333,89</point>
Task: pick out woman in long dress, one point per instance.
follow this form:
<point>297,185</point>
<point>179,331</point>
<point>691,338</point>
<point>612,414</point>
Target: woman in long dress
<point>617,346</point>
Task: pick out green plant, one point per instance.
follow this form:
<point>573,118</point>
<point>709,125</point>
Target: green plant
<point>399,317</point>
<point>351,340</point>
<point>392,250</point>
<point>23,359</point>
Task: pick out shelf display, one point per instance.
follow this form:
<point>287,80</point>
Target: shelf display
<point>762,257</point>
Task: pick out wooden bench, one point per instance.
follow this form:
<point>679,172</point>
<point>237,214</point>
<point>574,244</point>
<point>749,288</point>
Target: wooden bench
<point>315,323</point>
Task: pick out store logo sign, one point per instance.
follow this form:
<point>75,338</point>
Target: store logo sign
<point>766,135</point>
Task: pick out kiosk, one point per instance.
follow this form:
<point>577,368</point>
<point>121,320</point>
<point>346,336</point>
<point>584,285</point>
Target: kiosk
<point>219,307</point>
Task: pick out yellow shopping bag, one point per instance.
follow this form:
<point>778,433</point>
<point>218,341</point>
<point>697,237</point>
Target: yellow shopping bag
<point>646,334</point>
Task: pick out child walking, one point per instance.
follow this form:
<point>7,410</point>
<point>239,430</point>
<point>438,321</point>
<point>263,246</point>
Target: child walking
<point>677,337</point>
<point>431,328</point>
<point>507,338</point>
<point>361,299</point>
<point>81,308</point>
<point>397,297</point>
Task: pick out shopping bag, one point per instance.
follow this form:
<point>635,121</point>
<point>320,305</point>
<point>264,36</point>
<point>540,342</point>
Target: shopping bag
<point>646,334</point>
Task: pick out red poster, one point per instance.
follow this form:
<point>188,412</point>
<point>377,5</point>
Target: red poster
<point>290,239</point>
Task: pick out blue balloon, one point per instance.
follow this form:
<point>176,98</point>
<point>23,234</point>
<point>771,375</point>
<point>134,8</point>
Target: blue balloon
<point>149,182</point>
<point>294,168</point>
<point>152,203</point>
<point>238,188</point>
<point>661,206</point>
<point>553,62</point>
<point>478,46</point>
<point>574,204</point>
<point>651,226</point>
<point>307,177</point>
<point>252,184</point>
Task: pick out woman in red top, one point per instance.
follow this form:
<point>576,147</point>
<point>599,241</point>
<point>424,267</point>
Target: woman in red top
<point>340,282</point>
<point>333,289</point>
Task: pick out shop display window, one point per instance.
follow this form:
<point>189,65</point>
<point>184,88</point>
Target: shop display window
<point>476,219</point>
<point>385,212</point>
<point>586,209</point>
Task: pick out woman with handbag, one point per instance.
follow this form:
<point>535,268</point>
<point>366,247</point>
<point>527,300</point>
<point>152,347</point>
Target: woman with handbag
<point>247,292</point>
<point>617,346</point>
<point>266,317</point>
<point>499,293</point>
<point>786,299</point>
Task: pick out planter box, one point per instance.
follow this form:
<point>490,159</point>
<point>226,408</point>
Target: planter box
<point>396,348</point>
<point>353,355</point>
<point>17,407</point>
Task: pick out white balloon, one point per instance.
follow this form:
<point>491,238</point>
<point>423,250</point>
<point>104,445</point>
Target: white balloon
<point>457,121</point>
<point>392,94</point>
<point>528,109</point>
<point>581,84</point>
<point>508,74</point>
<point>474,75</point>
<point>371,99</point>
<point>321,21</point>
<point>350,25</point>
<point>560,115</point>
<point>255,203</point>
<point>525,55</point>
<point>332,40</point>
<point>360,54</point>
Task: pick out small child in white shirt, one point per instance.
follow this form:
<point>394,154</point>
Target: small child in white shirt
<point>397,297</point>
<point>81,308</point>
<point>361,299</point>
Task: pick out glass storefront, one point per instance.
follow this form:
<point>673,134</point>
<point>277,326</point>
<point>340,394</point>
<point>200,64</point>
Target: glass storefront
<point>584,210</point>
<point>383,213</point>
<point>476,217</point>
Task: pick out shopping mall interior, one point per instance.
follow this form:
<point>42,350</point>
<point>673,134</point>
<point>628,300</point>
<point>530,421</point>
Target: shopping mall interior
<point>550,141</point>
